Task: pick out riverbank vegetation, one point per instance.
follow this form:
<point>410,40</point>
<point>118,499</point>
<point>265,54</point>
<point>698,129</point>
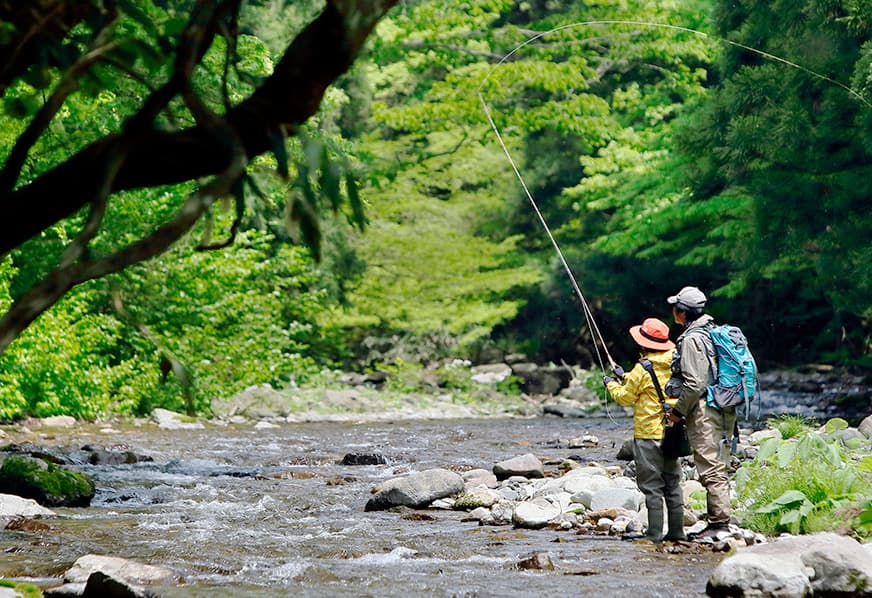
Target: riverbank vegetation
<point>807,481</point>
<point>662,142</point>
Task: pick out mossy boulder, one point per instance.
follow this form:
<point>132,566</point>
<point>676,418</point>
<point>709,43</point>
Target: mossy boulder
<point>46,483</point>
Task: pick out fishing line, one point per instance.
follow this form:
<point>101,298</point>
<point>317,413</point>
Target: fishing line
<point>696,32</point>
<point>591,322</point>
<point>596,335</point>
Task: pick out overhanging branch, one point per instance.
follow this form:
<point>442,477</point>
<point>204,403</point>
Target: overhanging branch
<point>319,54</point>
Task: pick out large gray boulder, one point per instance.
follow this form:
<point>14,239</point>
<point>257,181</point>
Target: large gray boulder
<point>416,490</point>
<point>822,564</point>
<point>97,576</point>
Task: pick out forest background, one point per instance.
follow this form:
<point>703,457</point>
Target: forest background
<point>391,231</point>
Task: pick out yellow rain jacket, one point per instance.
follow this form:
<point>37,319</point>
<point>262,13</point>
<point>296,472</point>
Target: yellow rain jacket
<point>638,391</point>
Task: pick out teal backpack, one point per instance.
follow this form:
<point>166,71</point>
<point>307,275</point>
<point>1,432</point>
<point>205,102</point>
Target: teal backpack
<point>736,380</point>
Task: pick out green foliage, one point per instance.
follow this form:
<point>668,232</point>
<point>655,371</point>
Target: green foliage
<point>72,363</point>
<point>26,590</point>
<point>835,424</point>
<point>791,426</point>
<point>658,157</point>
<point>800,485</point>
<point>865,519</point>
<point>698,501</point>
<point>235,317</point>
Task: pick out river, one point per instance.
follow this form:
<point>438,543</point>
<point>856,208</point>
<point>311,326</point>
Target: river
<point>245,512</point>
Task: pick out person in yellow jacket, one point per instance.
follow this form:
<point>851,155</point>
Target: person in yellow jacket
<point>657,476</point>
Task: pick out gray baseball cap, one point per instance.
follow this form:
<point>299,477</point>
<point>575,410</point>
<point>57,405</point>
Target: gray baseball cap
<point>690,297</point>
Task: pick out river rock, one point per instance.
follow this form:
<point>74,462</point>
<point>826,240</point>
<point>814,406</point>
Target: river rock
<point>416,490</point>
<point>100,585</point>
<point>170,420</point>
<point>481,514</point>
<point>102,456</point>
<point>12,507</point>
<point>528,466</point>
<point>479,477</point>
<point>627,451</point>
<point>851,437</point>
<point>865,427</point>
<point>534,514</point>
<point>120,569</point>
<point>583,489</point>
<point>823,564</point>
<point>58,421</point>
<point>761,435</point>
<point>623,498</point>
<point>689,488</point>
<point>502,512</point>
<point>541,380</point>
<point>481,496</point>
<point>363,459</point>
<point>490,373</point>
<point>585,441</point>
<point>541,561</point>
<point>46,483</point>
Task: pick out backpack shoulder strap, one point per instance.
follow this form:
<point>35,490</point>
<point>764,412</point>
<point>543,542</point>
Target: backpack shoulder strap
<point>704,332</point>
<point>649,367</point>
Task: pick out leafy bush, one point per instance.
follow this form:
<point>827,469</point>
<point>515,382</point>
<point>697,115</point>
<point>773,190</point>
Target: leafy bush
<point>801,485</point>
<point>72,362</point>
<point>791,426</point>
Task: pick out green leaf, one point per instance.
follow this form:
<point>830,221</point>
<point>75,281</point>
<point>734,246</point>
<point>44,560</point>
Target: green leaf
<point>790,497</point>
<point>790,518</point>
<point>768,448</point>
<point>280,151</point>
<point>786,452</point>
<point>835,424</point>
<point>330,178</point>
<point>358,214</point>
<point>303,222</point>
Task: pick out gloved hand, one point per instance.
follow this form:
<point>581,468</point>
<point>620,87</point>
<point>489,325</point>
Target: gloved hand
<point>618,371</point>
<point>674,416</point>
<point>607,379</point>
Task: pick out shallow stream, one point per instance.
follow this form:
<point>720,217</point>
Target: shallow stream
<point>245,512</point>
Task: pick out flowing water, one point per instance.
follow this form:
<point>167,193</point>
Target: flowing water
<point>244,512</point>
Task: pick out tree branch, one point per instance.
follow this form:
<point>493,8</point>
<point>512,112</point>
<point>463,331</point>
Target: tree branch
<point>44,295</point>
<point>320,53</point>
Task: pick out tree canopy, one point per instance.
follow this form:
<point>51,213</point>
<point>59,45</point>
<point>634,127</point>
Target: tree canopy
<point>181,129</point>
<point>202,196</point>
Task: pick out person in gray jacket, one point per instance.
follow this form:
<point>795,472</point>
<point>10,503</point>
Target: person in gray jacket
<point>708,429</point>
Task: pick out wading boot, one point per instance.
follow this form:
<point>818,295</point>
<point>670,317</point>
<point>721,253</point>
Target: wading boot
<point>675,518</point>
<point>655,525</point>
<point>712,531</point>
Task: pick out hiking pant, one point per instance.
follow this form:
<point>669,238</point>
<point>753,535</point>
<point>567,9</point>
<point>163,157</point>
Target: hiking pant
<point>706,428</point>
<point>657,477</point>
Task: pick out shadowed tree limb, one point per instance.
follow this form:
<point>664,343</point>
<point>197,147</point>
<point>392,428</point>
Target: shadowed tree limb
<point>320,53</point>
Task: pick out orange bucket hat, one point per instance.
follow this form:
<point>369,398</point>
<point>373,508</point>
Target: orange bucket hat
<point>652,334</point>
